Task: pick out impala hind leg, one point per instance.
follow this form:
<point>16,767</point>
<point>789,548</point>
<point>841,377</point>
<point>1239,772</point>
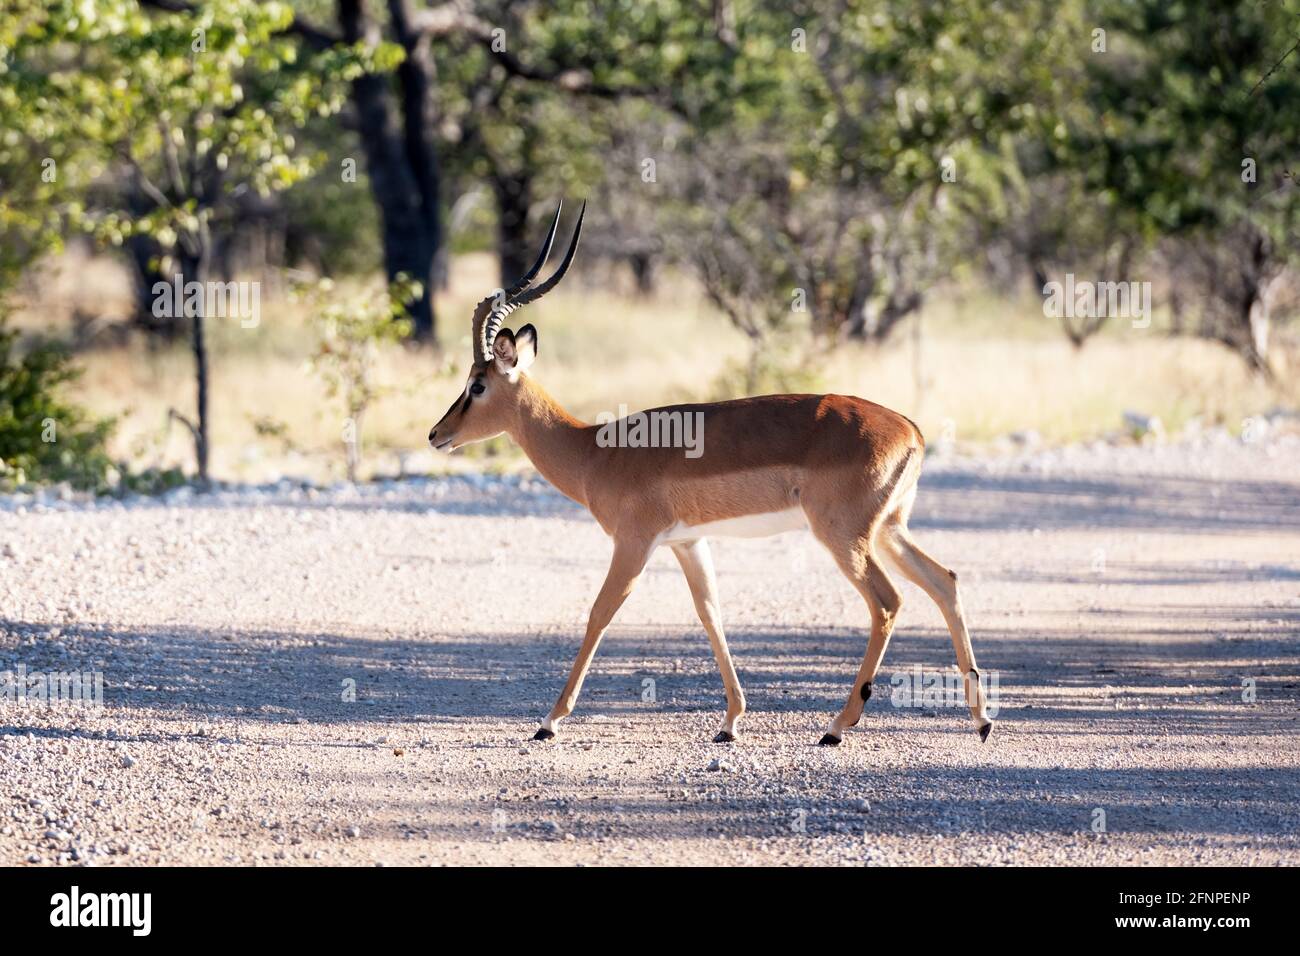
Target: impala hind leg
<point>625,568</point>
<point>859,563</point>
<point>697,565</point>
<point>895,541</point>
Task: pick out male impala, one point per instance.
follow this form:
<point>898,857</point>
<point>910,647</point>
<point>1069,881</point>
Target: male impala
<point>843,467</point>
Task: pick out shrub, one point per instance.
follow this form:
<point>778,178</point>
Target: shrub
<point>43,438</point>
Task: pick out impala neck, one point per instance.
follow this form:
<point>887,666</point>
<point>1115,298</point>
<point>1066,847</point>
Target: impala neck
<point>555,442</point>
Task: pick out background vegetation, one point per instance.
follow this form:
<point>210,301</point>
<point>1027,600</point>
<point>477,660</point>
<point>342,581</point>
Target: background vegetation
<point>865,197</point>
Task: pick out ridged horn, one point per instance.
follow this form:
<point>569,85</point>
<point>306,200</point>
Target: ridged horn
<point>482,343</point>
<point>497,316</point>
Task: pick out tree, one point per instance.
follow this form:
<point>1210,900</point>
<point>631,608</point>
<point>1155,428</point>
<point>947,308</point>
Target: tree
<point>42,436</point>
<point>527,95</point>
<point>863,142</point>
<point>1193,118</point>
<point>192,108</point>
<point>350,330</point>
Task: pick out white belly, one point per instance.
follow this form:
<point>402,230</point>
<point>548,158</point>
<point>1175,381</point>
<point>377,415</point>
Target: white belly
<point>747,526</point>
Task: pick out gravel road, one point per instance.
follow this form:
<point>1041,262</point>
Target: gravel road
<point>1140,609</point>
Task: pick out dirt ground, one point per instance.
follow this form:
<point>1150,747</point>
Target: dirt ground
<point>1139,609</point>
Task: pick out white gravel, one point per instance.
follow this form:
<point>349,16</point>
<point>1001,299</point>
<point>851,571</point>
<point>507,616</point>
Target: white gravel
<point>1121,595</point>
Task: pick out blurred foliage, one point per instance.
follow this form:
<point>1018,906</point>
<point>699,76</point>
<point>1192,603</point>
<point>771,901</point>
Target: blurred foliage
<point>853,179</point>
<point>151,481</point>
<point>1181,101</point>
<point>43,437</point>
<point>785,364</point>
<point>821,166</point>
<point>187,110</point>
<point>335,223</point>
<point>351,329</point>
<point>190,108</point>
<point>1189,126</point>
<point>514,140</point>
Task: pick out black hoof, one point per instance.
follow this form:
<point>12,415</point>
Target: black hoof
<point>985,731</point>
<point>543,734</point>
<point>828,740</point>
<point>724,738</point>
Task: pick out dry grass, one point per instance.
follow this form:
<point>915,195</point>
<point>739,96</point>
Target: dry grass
<point>991,366</point>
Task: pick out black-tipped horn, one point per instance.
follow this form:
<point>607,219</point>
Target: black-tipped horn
<point>481,335</point>
<point>524,281</point>
<point>498,315</point>
<point>554,280</point>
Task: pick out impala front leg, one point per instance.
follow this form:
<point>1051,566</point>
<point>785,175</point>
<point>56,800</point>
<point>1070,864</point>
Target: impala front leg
<point>630,556</point>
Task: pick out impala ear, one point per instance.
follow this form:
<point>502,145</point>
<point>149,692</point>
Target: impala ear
<point>503,351</point>
<point>525,347</point>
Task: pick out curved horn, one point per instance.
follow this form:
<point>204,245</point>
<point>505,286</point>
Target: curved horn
<point>527,278</point>
<point>498,316</point>
<point>476,329</point>
<point>554,280</point>
<point>483,343</point>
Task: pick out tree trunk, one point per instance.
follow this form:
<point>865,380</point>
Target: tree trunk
<point>1255,319</point>
<point>194,268</point>
<point>752,365</point>
<point>145,252</point>
<point>1177,313</point>
<point>513,197</point>
<point>353,448</point>
<point>875,321</point>
<point>1251,338</point>
<point>643,271</point>
<point>401,162</point>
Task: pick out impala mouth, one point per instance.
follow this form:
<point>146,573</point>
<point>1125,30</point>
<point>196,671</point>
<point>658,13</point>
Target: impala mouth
<point>442,444</point>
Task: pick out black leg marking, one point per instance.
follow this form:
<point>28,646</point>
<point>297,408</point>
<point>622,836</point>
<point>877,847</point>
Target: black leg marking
<point>866,691</point>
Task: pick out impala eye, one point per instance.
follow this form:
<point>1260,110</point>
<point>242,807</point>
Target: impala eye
<point>477,388</point>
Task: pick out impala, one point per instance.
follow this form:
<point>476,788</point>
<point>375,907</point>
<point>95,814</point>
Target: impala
<point>842,467</point>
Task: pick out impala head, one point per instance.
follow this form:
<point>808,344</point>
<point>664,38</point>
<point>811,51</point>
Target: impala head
<point>485,407</point>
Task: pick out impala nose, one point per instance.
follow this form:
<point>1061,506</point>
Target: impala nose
<point>432,434</point>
